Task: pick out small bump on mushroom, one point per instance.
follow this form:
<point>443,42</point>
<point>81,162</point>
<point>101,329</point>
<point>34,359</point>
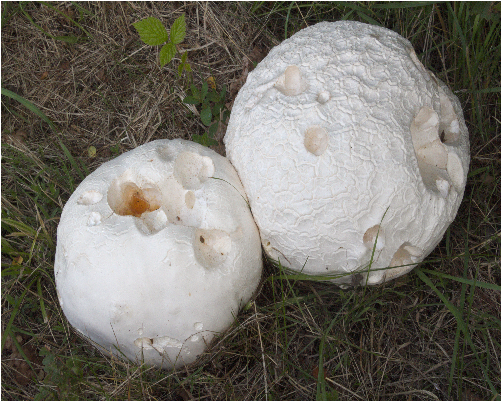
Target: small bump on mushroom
<point>449,123</point>
<point>376,277</point>
<point>152,222</point>
<point>434,153</point>
<point>425,127</point>
<point>166,152</point>
<point>211,247</point>
<point>323,97</point>
<point>192,169</point>
<point>94,219</point>
<point>161,343</point>
<point>144,342</point>
<point>456,172</point>
<point>374,235</point>
<point>189,199</point>
<point>404,260</point>
<point>291,82</point>
<point>198,326</point>
<point>316,140</point>
<point>90,197</point>
<point>443,187</point>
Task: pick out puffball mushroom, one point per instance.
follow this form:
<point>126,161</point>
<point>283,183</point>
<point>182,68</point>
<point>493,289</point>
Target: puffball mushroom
<point>353,155</point>
<point>156,252</point>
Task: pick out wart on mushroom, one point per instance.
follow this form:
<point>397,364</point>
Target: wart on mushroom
<point>154,256</point>
<point>354,156</point>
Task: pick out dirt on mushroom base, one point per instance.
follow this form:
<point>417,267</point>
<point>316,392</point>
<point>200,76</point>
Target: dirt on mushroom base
<point>103,99</point>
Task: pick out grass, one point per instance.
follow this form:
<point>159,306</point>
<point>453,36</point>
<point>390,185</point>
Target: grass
<point>75,75</point>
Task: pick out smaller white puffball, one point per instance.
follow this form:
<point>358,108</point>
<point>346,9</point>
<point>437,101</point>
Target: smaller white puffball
<point>163,262</point>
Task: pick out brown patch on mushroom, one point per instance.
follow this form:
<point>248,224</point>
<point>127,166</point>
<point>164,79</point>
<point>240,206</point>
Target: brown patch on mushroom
<point>404,260</point>
<point>135,203</point>
<point>374,235</point>
<point>131,200</point>
<point>190,199</point>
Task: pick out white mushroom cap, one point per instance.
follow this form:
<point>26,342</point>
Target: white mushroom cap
<point>358,161</point>
<point>151,266</point>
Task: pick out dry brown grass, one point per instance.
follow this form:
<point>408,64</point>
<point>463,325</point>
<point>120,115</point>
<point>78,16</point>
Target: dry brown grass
<point>299,340</point>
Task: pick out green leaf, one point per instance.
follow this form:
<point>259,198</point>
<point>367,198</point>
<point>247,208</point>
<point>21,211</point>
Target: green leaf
<point>184,57</point>
<point>213,97</point>
<point>178,30</point>
<point>213,129</point>
<point>194,91</point>
<point>92,151</point>
<point>151,31</point>
<point>204,140</point>
<point>187,67</point>
<point>179,70</point>
<point>205,89</point>
<point>206,116</point>
<point>217,109</point>
<point>191,100</point>
<point>167,53</point>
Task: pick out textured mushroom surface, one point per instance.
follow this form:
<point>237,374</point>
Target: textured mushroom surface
<point>157,250</point>
<point>354,156</point>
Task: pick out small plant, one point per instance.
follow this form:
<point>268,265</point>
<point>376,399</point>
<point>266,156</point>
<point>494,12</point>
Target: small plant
<point>213,110</point>
<point>61,377</point>
<point>153,33</point>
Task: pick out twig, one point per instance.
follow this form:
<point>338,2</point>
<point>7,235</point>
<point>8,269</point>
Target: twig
<point>197,48</point>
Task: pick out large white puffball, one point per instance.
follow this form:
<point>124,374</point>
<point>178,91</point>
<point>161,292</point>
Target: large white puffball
<point>354,156</point>
<point>156,252</point>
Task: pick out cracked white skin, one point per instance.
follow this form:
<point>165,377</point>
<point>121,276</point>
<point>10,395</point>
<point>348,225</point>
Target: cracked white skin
<point>316,208</point>
<point>144,285</point>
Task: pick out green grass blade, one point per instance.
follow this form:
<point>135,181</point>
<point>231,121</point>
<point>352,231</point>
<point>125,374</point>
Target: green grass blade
<point>67,17</point>
<point>473,283</point>
<point>68,39</point>
<point>72,160</point>
<point>22,227</point>
<point>42,303</point>
<point>460,322</point>
<point>30,106</point>
<point>81,9</point>
<point>14,312</point>
<point>403,4</point>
